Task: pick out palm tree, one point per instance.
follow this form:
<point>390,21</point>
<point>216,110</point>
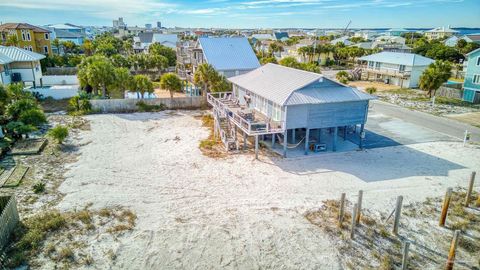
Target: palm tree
<point>12,40</point>
<point>434,76</point>
<point>122,81</point>
<point>205,76</point>
<point>57,44</point>
<point>101,74</point>
<point>171,82</point>
<point>142,84</point>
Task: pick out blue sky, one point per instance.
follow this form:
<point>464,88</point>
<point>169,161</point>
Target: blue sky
<point>248,13</point>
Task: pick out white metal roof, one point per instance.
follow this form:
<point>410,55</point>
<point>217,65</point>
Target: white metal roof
<point>5,59</point>
<point>289,86</point>
<point>232,53</point>
<point>407,59</point>
<point>20,55</point>
<point>442,30</point>
<point>275,82</point>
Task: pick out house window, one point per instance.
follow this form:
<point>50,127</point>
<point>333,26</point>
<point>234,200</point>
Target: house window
<point>476,79</point>
<point>6,69</point>
<point>30,48</point>
<point>24,35</point>
<point>478,61</point>
<point>28,36</point>
<point>377,65</point>
<point>46,36</point>
<point>4,36</point>
<point>370,64</point>
<point>402,68</point>
<point>45,49</point>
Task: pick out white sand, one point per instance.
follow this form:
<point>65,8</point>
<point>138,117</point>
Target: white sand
<point>237,213</point>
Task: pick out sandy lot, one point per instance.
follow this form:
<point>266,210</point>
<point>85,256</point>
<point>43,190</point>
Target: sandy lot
<point>236,213</point>
<point>469,118</point>
<point>379,85</point>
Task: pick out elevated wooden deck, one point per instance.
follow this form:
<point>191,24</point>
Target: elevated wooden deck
<point>250,121</point>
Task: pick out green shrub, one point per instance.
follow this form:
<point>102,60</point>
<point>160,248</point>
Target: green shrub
<point>144,107</point>
<point>58,133</point>
<point>342,76</point>
<point>39,187</point>
<point>34,117</point>
<point>18,128</point>
<point>371,90</point>
<point>80,104</point>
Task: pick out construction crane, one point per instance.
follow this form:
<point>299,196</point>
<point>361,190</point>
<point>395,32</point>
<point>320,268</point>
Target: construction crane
<point>345,31</point>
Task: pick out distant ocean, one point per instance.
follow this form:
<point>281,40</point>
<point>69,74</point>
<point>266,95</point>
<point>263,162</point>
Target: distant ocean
<point>462,31</point>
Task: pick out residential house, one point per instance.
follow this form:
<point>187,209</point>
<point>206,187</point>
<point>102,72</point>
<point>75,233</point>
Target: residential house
<point>343,40</point>
<point>19,65</point>
<point>67,32</point>
<point>401,69</point>
<point>396,32</point>
<point>303,109</point>
<point>30,37</point>
<point>262,37</point>
<point>280,36</point>
<point>471,85</point>
<point>230,56</point>
<point>144,40</point>
<point>366,34</point>
<point>440,33</point>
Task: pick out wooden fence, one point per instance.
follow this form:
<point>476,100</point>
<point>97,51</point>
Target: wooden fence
<point>8,218</point>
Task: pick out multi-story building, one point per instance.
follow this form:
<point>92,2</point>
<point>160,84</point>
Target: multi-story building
<point>440,33</point>
<point>229,56</point>
<point>401,69</point>
<point>28,37</point>
<point>471,85</point>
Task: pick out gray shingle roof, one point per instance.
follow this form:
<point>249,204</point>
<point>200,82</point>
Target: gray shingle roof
<point>20,55</point>
<point>407,59</point>
<point>232,53</point>
<point>289,86</point>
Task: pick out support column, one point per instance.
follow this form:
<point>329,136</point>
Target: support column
<point>244,141</point>
<point>307,135</point>
<point>273,140</point>
<point>335,135</point>
<point>293,135</point>
<point>319,134</point>
<point>344,133</point>
<point>362,126</point>
<point>256,146</point>
<point>285,137</point>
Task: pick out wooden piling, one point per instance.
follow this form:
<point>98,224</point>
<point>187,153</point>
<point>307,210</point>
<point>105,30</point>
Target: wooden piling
<point>398,212</point>
<point>359,208</point>
<point>470,189</point>
<point>256,146</point>
<point>446,204</point>
<point>453,248</point>
<point>406,248</point>
<point>352,229</point>
<point>342,210</point>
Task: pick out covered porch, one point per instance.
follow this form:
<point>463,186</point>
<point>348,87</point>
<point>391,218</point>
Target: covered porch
<point>302,141</point>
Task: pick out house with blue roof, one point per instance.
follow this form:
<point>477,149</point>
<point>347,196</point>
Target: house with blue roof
<point>291,110</point>
<point>280,36</point>
<point>471,85</point>
<point>19,65</point>
<point>230,56</point>
<point>396,32</point>
<point>396,68</point>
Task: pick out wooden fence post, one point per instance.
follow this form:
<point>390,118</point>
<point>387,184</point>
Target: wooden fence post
<point>359,206</point>
<point>453,247</point>
<point>398,212</point>
<point>446,204</point>
<point>470,189</point>
<point>352,229</point>
<point>406,248</point>
<point>342,210</point>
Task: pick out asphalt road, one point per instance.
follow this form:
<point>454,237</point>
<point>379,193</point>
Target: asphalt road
<point>441,125</point>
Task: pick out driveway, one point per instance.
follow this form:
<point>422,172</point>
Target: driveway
<point>419,126</point>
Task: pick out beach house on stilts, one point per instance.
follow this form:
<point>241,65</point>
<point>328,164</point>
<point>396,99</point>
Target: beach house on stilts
<point>292,111</point>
